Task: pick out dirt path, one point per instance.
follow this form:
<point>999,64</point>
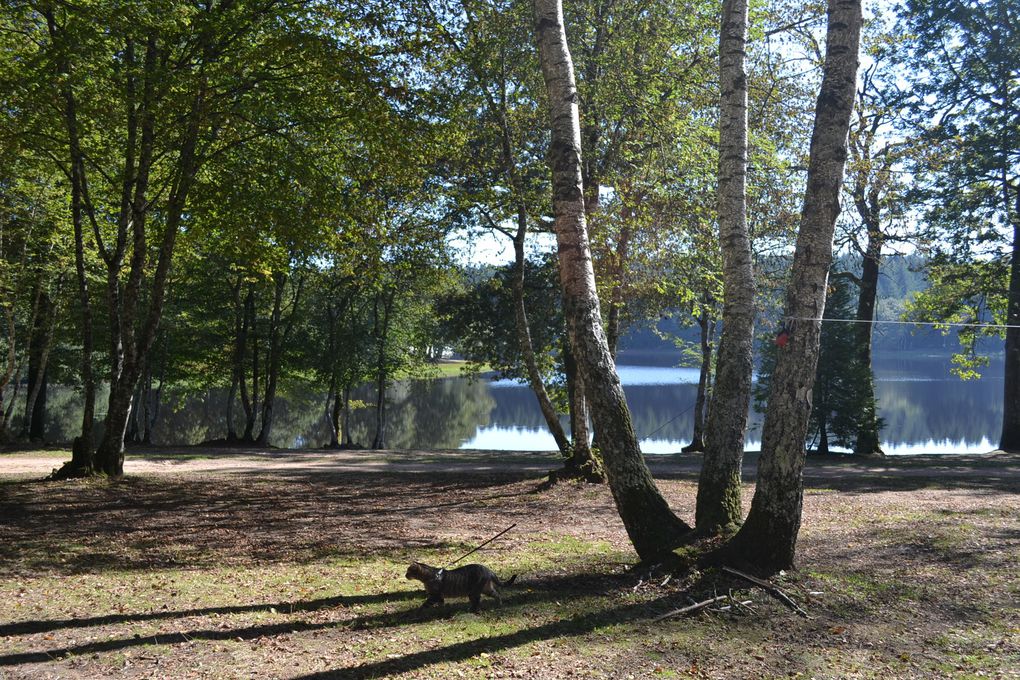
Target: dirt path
<point>996,467</point>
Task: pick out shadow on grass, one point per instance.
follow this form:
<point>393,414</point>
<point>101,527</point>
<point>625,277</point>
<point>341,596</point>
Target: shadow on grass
<point>50,625</point>
<point>152,522</point>
<point>559,589</point>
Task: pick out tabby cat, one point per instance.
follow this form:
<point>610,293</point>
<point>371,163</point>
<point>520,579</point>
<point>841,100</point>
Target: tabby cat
<point>468,581</point>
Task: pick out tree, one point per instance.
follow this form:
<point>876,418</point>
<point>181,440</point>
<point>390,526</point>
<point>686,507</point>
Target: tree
<point>768,538</point>
<point>877,194</point>
<point>172,79</point>
<point>965,68</point>
<point>719,489</point>
<point>842,399</point>
<point>499,190</point>
<point>650,524</point>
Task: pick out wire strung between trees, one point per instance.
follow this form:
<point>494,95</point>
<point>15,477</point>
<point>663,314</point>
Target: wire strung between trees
<point>934,324</point>
<point>674,418</point>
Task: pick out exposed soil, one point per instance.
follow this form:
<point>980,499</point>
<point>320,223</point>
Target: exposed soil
<point>213,563</point>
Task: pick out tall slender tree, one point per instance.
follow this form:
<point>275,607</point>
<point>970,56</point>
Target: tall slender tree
<point>768,538</point>
<point>650,524</point>
<point>719,503</point>
<point>965,67</point>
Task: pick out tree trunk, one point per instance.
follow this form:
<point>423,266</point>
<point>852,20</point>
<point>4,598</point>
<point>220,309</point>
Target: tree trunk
<point>767,541</point>
<point>719,505</point>
<point>251,406</point>
<point>110,454</point>
<point>581,463</point>
<point>336,409</point>
<point>275,354</point>
<point>379,441</point>
<point>39,353</point>
<point>823,437</point>
<point>652,527</point>
<point>552,418</point>
<point>701,403</point>
<point>867,443</point>
<point>1010,438</point>
<point>381,331</point>
<point>37,413</point>
<point>236,359</point>
<point>136,343</point>
<point>131,435</point>
<point>347,438</point>
<point>613,322</point>
<point>82,461</point>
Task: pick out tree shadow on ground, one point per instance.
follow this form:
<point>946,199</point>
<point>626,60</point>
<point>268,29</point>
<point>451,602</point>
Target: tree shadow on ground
<point>171,522</point>
<point>559,589</point>
<point>50,625</point>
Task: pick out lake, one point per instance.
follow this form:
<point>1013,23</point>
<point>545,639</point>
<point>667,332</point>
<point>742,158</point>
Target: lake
<point>925,408</point>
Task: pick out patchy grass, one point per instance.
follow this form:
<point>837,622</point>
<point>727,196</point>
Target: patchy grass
<point>287,572</point>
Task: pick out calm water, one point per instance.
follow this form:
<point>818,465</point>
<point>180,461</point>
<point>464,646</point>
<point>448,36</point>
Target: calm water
<point>925,408</point>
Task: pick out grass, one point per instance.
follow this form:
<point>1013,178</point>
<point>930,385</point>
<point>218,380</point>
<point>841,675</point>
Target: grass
<point>250,574</point>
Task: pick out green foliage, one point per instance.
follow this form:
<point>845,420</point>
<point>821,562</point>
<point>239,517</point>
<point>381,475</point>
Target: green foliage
<point>964,62</point>
<point>478,321</point>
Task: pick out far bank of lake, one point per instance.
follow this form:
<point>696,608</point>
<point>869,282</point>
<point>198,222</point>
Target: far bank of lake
<point>926,410</point>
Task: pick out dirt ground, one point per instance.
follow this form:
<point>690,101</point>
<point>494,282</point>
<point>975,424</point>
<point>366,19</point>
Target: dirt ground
<point>282,564</point>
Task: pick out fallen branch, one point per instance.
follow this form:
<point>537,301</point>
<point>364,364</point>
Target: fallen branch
<point>770,588</point>
<point>692,608</point>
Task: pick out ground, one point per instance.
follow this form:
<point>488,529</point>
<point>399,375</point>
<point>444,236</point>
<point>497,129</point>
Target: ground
<point>276,564</point>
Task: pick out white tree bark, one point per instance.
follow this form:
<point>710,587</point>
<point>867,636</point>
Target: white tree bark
<point>651,526</point>
<point>719,503</point>
<point>768,538</point>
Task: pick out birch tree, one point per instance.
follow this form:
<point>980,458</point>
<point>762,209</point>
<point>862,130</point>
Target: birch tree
<point>718,503</point>
<point>768,538</point>
<point>650,524</point>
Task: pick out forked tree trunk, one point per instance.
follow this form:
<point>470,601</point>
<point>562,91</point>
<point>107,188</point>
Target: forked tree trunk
<point>768,539</point>
<point>652,527</point>
<point>719,505</point>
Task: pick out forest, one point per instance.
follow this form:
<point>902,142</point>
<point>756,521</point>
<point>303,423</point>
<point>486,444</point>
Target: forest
<point>253,195</point>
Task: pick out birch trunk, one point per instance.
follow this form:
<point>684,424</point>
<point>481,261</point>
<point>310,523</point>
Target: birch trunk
<point>719,505</point>
<point>651,526</point>
<point>768,539</point>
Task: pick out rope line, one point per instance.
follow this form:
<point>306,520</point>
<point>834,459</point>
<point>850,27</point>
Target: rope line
<point>674,418</point>
<point>908,323</point>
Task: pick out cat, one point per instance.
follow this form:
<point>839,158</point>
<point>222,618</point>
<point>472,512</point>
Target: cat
<point>469,581</point>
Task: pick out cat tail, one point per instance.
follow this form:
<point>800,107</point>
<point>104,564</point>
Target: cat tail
<point>509,581</point>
